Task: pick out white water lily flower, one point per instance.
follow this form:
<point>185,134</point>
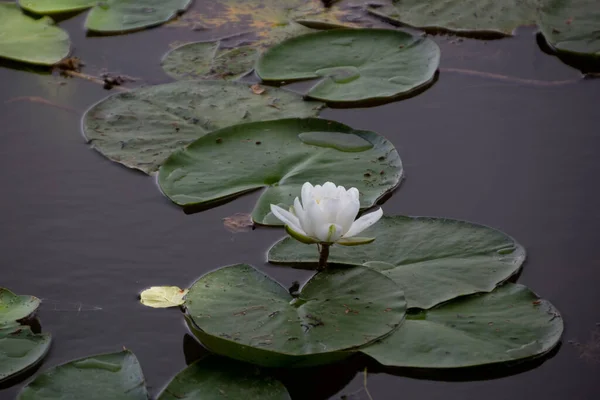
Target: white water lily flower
<point>326,215</point>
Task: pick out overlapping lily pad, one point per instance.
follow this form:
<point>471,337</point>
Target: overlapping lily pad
<point>511,323</point>
<point>20,348</point>
<point>113,16</point>
<point>239,312</point>
<point>479,18</point>
<point>432,259</point>
<point>273,155</point>
<point>115,376</point>
<point>25,39</point>
<point>355,65</point>
<point>15,307</point>
<point>216,378</point>
<point>572,26</point>
<point>214,60</point>
<point>141,128</point>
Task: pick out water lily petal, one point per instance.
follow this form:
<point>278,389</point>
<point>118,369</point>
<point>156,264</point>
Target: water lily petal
<point>363,223</point>
<point>347,213</point>
<point>304,221</point>
<point>353,192</point>
<point>354,241</point>
<point>331,208</point>
<point>306,193</point>
<point>316,217</point>
<point>286,217</point>
<point>329,189</point>
<point>299,236</point>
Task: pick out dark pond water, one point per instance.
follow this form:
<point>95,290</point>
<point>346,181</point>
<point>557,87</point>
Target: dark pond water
<point>86,235</point>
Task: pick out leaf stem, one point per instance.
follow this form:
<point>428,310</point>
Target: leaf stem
<point>323,255</point>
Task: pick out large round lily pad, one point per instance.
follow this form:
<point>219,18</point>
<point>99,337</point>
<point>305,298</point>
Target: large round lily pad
<point>141,128</point>
<point>485,18</point>
<point>572,26</point>
<point>511,323</point>
<point>15,307</point>
<point>115,376</point>
<point>25,39</point>
<point>355,64</point>
<point>20,349</point>
<point>239,312</point>
<point>432,259</point>
<point>217,378</point>
<point>280,156</point>
<point>113,16</point>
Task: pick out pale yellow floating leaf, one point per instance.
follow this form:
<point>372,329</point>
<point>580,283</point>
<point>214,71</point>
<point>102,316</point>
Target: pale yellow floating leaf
<point>163,296</point>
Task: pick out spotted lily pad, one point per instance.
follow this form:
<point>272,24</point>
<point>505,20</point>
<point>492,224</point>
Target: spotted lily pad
<point>115,376</point>
<point>15,307</point>
<point>25,39</point>
<point>113,16</point>
<point>572,26</point>
<point>432,259</point>
<point>239,312</point>
<point>355,65</point>
<point>217,378</point>
<point>214,60</point>
<point>509,324</point>
<point>272,155</point>
<point>20,348</point>
<point>478,18</point>
<point>141,128</point>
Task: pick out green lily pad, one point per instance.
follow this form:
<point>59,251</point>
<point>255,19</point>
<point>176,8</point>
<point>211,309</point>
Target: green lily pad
<point>113,16</point>
<point>432,259</point>
<point>216,378</point>
<point>115,376</point>
<point>25,39</point>
<point>511,323</point>
<point>572,26</point>
<point>46,7</point>
<point>141,128</point>
<point>207,60</point>
<point>271,155</point>
<point>239,312</point>
<point>20,349</point>
<point>15,307</point>
<point>485,18</point>
<point>356,64</point>
<point>213,60</point>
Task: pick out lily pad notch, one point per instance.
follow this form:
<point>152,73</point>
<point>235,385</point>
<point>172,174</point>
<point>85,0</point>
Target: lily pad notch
<point>354,65</point>
<point>279,156</point>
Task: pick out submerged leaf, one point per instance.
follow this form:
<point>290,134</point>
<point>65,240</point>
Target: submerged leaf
<point>21,349</point>
<point>163,296</point>
<point>218,378</point>
<point>115,376</point>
